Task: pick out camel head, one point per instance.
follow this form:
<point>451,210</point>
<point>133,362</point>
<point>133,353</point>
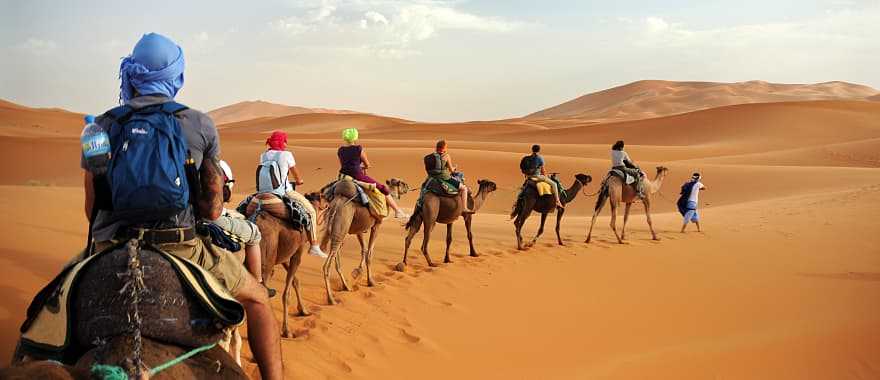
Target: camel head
<point>487,185</point>
<point>583,179</point>
<point>401,186</point>
<point>319,202</point>
<point>662,170</point>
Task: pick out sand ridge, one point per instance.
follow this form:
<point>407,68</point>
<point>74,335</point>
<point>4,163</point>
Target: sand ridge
<point>783,283</point>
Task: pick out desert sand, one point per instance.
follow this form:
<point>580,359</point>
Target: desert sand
<point>784,282</point>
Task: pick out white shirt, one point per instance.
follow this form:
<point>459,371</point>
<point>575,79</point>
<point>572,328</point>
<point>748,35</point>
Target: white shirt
<point>285,161</point>
<point>695,192</point>
<point>617,158</point>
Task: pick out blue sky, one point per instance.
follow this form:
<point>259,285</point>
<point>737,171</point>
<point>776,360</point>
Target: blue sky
<point>430,60</point>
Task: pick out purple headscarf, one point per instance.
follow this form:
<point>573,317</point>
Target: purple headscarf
<point>155,67</point>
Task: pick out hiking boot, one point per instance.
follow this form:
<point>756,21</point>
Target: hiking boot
<point>315,250</point>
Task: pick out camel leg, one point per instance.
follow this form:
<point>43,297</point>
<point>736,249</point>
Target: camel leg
<point>614,221</point>
<point>425,240</point>
<point>467,226</point>
<point>559,212</point>
<point>406,242</point>
<point>448,243</point>
<point>285,302</point>
<point>647,204</point>
<point>593,222</point>
<point>519,223</point>
<point>293,266</point>
<point>625,219</point>
<point>326,268</point>
<point>540,229</point>
<point>374,232</point>
<point>356,272</point>
<point>345,285</point>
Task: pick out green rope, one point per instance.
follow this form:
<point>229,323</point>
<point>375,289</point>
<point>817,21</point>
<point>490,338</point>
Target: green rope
<point>112,372</point>
<point>179,359</point>
<point>109,372</point>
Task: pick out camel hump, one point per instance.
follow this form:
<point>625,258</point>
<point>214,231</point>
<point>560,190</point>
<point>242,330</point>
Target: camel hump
<point>169,312</point>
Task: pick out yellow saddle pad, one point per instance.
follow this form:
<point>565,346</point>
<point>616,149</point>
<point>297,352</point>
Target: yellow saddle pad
<point>544,188</point>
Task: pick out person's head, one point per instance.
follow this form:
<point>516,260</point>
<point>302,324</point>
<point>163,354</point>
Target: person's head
<point>617,145</point>
<point>228,181</point>
<point>536,148</point>
<point>696,176</point>
<point>441,146</point>
<point>277,140</point>
<point>155,67</point>
<point>350,135</point>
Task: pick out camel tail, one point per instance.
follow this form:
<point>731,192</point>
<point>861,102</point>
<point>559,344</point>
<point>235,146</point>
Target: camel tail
<point>602,197</point>
<point>415,219</point>
<point>517,207</point>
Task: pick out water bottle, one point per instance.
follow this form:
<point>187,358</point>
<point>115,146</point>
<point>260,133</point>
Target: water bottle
<point>95,146</point>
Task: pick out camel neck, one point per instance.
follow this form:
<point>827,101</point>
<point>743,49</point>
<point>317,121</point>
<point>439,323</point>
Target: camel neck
<point>657,182</point>
<point>571,193</point>
<point>479,199</point>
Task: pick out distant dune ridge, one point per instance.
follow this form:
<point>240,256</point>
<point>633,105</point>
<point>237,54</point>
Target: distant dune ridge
<point>784,282</point>
<point>653,98</point>
<point>249,110</point>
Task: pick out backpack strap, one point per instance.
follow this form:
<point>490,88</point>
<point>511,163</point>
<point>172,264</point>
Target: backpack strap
<point>120,114</point>
<point>173,107</point>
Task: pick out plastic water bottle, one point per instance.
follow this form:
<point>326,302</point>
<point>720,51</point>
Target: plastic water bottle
<point>95,146</point>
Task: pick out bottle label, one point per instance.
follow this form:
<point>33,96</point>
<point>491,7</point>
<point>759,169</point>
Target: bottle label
<point>95,145</point>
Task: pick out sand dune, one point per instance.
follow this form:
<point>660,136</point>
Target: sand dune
<point>249,110</point>
<point>653,98</point>
<point>18,120</point>
<point>783,284</point>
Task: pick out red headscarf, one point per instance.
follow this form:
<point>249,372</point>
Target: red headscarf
<point>277,141</point>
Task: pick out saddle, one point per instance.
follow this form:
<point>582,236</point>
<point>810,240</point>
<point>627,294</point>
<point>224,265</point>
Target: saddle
<point>368,195</point>
<point>628,179</point>
<point>543,188</point>
<point>86,303</point>
<point>281,207</point>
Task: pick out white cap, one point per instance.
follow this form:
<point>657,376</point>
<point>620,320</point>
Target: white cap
<point>226,169</point>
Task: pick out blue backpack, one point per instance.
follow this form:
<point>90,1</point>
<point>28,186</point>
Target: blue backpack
<point>147,173</point>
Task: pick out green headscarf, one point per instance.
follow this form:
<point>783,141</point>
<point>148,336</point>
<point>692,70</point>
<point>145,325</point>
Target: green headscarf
<point>350,135</point>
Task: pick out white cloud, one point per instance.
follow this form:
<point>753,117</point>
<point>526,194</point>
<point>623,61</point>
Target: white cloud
<point>388,27</point>
<point>37,46</point>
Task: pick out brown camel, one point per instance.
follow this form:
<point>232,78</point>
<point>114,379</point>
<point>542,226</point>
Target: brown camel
<point>397,187</point>
<point>283,244</point>
<point>345,216</point>
<point>614,189</point>
<point>169,322</point>
<point>529,201</point>
<point>445,210</point>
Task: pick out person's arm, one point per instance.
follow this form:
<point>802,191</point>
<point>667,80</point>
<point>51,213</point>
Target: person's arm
<point>449,164</point>
<point>364,160</point>
<point>210,202</point>
<point>297,179</point>
<point>628,161</point>
<point>89,186</point>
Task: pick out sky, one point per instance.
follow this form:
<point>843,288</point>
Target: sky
<point>430,60</point>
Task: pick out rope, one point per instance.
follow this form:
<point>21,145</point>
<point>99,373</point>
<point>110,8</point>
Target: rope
<point>112,372</point>
<point>180,359</point>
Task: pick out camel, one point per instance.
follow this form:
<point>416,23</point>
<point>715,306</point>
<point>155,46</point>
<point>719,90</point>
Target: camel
<point>397,187</point>
<point>118,325</point>
<point>445,210</point>
<point>529,201</point>
<point>282,244</point>
<point>343,217</point>
<point>614,189</point>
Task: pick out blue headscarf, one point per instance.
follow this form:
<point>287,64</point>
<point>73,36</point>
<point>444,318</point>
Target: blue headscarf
<point>155,67</point>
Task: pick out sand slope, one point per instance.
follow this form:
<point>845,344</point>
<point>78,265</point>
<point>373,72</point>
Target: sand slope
<point>652,98</point>
<point>249,110</point>
<point>783,284</point>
